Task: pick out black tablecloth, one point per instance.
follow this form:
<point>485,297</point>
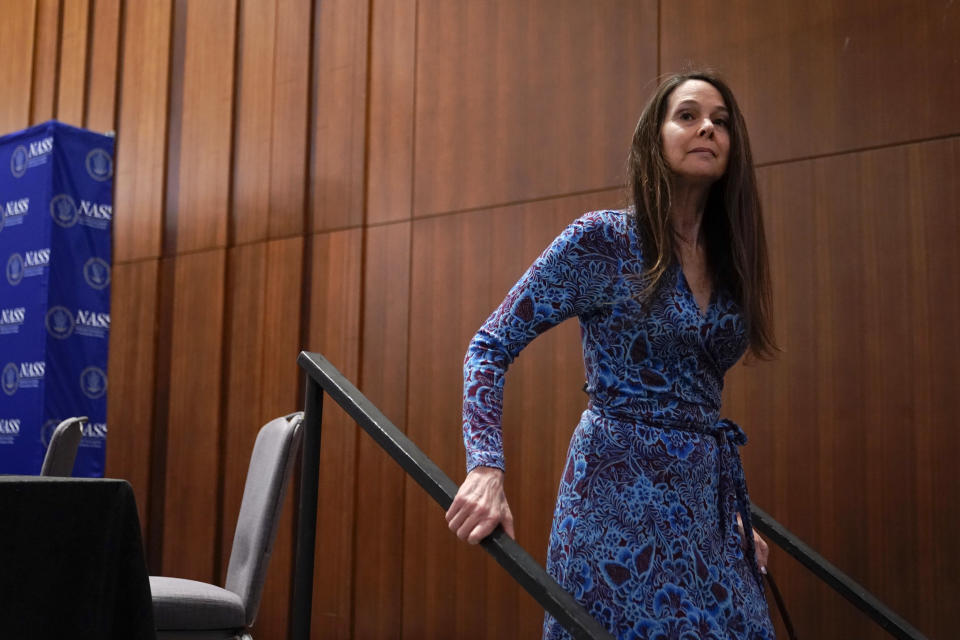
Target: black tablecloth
<point>71,560</point>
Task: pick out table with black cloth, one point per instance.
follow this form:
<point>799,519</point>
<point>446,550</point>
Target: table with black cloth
<point>71,560</point>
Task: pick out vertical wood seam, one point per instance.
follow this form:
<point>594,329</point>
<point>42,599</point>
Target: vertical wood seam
<point>174,136</point>
<point>306,270</point>
<point>33,61</point>
<point>87,55</point>
<point>118,71</point>
<point>163,330</point>
<point>410,221</point>
<point>56,60</point>
<point>659,39</point>
<point>226,332</point>
<point>361,315</point>
<point>273,116</point>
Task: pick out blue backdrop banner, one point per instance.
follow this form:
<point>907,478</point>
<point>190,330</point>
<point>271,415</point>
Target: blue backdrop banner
<point>56,195</point>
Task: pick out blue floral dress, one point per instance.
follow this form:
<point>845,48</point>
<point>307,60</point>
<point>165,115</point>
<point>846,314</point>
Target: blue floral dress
<point>644,533</point>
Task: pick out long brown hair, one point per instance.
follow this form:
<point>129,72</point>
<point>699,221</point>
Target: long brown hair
<point>732,222</point>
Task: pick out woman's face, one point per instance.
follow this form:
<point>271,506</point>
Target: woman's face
<point>695,133</point>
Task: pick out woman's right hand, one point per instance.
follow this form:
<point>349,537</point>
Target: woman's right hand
<point>479,506</point>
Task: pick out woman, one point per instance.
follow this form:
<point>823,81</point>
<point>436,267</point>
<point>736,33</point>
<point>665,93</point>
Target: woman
<point>647,530</point>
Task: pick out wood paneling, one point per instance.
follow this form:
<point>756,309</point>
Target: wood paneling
<point>280,391</point>
<point>253,132</point>
<point>101,111</point>
<point>271,129</point>
<point>463,265</point>
<point>390,149</point>
<point>826,76</point>
<point>335,279</point>
<point>16,51</point>
<point>72,72</point>
<point>132,376</point>
<point>201,121</point>
<point>290,116</point>
<point>193,425</point>
<point>511,104</point>
<point>341,31</point>
<point>46,55</point>
<point>141,138</point>
<point>263,328</point>
<point>378,576</point>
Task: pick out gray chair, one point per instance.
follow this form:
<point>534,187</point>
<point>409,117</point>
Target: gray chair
<point>187,609</point>
<point>62,451</point>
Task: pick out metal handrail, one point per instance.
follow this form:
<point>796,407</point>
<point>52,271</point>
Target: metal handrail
<point>833,577</point>
<point>324,377</point>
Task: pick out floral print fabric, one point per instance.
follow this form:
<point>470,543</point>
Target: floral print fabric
<point>644,532</point>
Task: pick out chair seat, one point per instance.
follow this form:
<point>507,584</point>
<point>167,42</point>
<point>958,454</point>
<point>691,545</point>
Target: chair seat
<point>187,604</point>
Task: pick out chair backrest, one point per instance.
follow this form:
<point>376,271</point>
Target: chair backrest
<point>62,451</point>
<point>271,463</point>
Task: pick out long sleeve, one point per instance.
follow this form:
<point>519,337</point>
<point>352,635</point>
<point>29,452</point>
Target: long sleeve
<point>567,279</point>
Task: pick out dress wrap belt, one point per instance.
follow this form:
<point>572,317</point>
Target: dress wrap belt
<point>730,437</point>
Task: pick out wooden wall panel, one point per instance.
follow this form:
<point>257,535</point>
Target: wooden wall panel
<point>341,31</point>
<point>335,290</point>
<point>378,576</point>
<point>101,105</point>
<point>142,131</point>
<point>242,417</point>
<point>826,76</point>
<point>391,103</point>
<point>261,383</point>
<point>201,121</point>
<point>17,51</point>
<point>46,56</point>
<point>253,131</point>
<point>271,129</point>
<point>291,107</point>
<point>282,326</point>
<point>132,376</point>
<point>193,417</point>
<point>934,300</point>
<point>463,265</point>
<point>511,104</point>
<point>72,71</point>
<point>449,255</point>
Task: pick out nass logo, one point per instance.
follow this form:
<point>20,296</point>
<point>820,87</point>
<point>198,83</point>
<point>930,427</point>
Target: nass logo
<point>34,154</point>
<point>93,382</point>
<point>96,273</point>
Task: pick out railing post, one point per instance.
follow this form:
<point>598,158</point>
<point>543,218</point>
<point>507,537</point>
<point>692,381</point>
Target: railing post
<point>307,514</point>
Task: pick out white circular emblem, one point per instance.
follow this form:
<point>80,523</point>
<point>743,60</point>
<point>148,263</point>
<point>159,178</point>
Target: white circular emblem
<point>15,269</point>
<point>10,379</point>
<point>96,272</point>
<point>18,161</point>
<point>93,382</point>
<point>63,209</point>
<point>59,322</point>
<point>99,165</point>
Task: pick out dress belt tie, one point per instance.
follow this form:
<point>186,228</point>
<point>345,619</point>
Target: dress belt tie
<point>730,437</point>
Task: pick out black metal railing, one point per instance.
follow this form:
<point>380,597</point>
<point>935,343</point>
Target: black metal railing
<point>833,577</point>
<point>322,377</point>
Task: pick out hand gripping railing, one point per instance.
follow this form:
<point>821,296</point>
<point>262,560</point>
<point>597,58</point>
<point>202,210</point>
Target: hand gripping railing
<point>323,377</point>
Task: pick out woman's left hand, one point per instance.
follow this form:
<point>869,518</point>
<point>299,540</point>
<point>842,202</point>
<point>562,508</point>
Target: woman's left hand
<point>759,545</point>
